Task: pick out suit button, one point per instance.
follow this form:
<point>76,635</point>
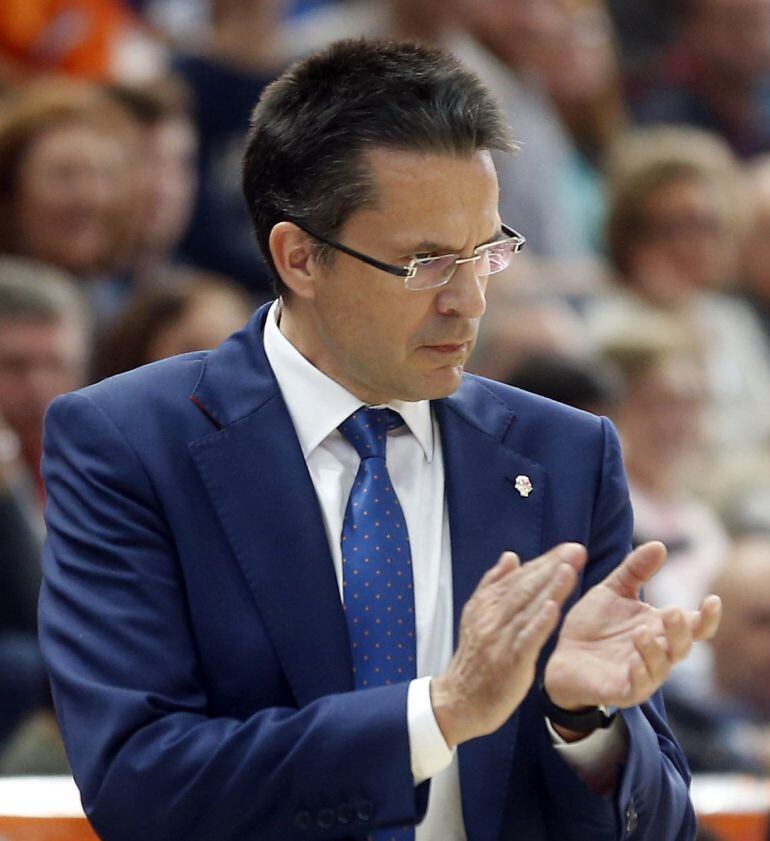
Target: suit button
<point>326,818</point>
<point>303,820</point>
<point>345,813</point>
<point>365,810</point>
<point>632,817</point>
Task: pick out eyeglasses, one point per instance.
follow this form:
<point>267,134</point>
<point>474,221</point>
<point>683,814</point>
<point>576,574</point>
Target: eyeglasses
<point>432,271</point>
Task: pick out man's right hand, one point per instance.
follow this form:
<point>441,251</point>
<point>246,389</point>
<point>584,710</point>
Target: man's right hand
<point>505,623</point>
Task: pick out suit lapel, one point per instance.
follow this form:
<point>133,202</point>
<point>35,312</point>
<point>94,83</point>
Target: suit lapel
<point>256,477</point>
<point>487,515</point>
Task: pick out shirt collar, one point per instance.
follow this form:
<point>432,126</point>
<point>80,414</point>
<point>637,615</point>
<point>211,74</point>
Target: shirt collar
<point>318,404</point>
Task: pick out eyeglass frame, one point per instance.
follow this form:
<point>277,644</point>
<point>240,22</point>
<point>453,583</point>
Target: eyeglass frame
<point>408,272</point>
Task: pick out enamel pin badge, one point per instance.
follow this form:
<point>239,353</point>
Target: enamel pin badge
<point>523,485</point>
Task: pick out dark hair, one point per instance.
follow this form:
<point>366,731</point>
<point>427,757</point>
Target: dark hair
<point>592,383</point>
<point>152,103</point>
<point>126,343</point>
<point>312,127</point>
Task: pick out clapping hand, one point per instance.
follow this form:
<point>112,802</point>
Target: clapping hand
<point>616,650</point>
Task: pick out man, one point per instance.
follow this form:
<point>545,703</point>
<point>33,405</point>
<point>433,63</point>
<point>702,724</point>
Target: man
<point>249,613</point>
<point>727,726</point>
<point>43,346</point>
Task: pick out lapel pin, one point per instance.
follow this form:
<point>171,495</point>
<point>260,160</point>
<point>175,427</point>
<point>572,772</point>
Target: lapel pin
<point>523,485</point>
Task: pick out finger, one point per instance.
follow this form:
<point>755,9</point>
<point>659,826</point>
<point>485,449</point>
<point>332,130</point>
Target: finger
<point>532,637</point>
<point>637,569</point>
<point>540,579</point>
<point>555,591</point>
<point>638,681</point>
<point>574,554</point>
<point>534,574</point>
<point>654,656</point>
<point>679,636</point>
<point>704,623</point>
<point>506,563</point>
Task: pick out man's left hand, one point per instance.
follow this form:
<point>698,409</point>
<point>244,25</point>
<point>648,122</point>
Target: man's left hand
<point>616,650</point>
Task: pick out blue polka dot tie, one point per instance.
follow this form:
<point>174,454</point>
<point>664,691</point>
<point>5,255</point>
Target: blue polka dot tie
<point>378,590</point>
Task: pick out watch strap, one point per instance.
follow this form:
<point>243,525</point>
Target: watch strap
<point>582,721</point>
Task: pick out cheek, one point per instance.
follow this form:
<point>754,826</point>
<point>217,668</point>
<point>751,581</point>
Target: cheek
<point>38,203</point>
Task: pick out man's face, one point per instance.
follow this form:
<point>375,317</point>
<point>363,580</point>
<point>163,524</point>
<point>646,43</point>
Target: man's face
<point>733,36</point>
<point>73,196</point>
<point>38,361</point>
<point>362,327</point>
<point>169,184</point>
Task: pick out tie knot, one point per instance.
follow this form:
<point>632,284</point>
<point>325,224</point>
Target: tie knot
<point>366,429</point>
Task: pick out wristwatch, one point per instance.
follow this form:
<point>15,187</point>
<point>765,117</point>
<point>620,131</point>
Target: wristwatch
<point>583,721</point>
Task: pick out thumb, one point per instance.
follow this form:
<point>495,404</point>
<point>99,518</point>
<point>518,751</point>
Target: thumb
<point>637,569</point>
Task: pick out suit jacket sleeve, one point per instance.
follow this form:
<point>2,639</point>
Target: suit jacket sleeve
<point>651,800</point>
<point>150,759</point>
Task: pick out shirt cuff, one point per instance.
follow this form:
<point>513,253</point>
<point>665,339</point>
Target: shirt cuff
<point>427,746</point>
<point>596,757</point>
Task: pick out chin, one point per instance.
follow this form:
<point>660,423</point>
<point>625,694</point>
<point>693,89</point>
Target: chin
<point>443,382</point>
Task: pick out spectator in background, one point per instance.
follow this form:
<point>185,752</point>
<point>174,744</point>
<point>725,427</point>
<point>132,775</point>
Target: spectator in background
<point>42,354</point>
<point>517,327</point>
<point>755,253</point>
<point>728,729</point>
<point>226,78</point>
<point>715,75</point>
<point>660,420</point>
<point>67,181</point>
<point>586,87</point>
<point>673,232</point>
<point>198,312</point>
<point>44,344</point>
<point>167,151</point>
<point>590,383</point>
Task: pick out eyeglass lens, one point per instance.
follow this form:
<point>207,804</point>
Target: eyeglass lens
<point>437,271</point>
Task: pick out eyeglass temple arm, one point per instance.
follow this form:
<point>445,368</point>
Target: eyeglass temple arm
<point>398,271</point>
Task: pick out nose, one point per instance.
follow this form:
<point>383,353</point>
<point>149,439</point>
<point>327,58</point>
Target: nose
<point>465,294</point>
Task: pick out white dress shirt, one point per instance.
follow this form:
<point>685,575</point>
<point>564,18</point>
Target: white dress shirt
<point>317,406</point>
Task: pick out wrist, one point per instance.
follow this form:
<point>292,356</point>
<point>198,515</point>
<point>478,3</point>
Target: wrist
<point>449,714</point>
<point>573,723</point>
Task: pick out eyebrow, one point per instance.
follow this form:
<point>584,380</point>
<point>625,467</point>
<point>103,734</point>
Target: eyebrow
<point>428,245</point>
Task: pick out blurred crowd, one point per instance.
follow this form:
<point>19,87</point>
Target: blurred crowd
<point>642,184</point>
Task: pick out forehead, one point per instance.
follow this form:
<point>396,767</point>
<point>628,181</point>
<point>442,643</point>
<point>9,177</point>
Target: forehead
<point>30,336</point>
<point>434,193</point>
<point>76,140</point>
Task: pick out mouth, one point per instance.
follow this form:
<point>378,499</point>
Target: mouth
<point>449,349</point>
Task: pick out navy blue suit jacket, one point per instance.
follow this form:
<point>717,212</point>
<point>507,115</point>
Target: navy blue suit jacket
<point>197,647</point>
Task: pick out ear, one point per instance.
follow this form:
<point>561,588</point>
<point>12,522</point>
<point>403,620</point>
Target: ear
<point>292,252</point>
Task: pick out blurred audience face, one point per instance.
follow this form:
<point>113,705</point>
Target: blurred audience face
<point>682,245</point>
<point>732,36</point>
<point>73,191</point>
<point>522,33</point>
<point>169,178</point>
<point>209,318</point>
<point>587,54</point>
<point>39,359</point>
<point>742,646</point>
<point>660,421</point>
